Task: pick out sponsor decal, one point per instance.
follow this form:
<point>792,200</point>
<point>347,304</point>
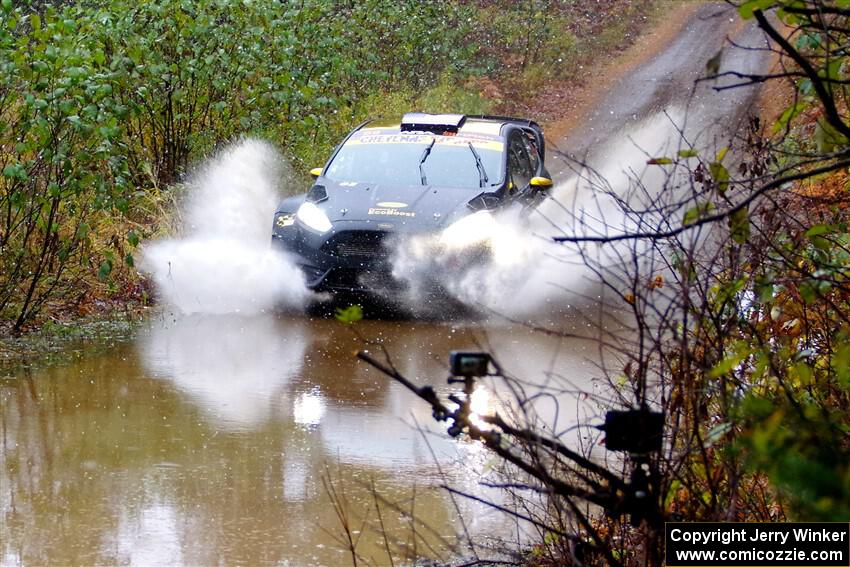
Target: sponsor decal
<point>485,144</point>
<point>385,225</point>
<point>392,205</point>
<point>285,220</point>
<point>378,211</point>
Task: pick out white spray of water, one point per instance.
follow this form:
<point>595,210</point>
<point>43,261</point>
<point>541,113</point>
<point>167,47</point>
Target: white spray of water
<point>527,274</point>
<point>223,261</point>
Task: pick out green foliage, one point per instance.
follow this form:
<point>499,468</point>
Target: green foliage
<point>531,43</point>
<point>788,115</point>
<point>814,38</point>
<point>777,365</point>
<point>746,9</point>
<point>198,74</point>
<point>739,225</point>
<point>350,314</point>
<point>827,138</point>
<point>660,161</point>
<point>765,373</point>
<point>64,162</point>
<point>104,103</point>
<point>694,214</point>
<point>535,32</point>
<point>794,433</point>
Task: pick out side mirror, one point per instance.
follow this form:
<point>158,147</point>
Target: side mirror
<point>540,182</point>
<point>316,172</point>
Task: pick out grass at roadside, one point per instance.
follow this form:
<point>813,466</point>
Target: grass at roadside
<point>59,341</point>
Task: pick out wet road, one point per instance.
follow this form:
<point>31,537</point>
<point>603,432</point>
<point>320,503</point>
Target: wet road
<point>204,440</point>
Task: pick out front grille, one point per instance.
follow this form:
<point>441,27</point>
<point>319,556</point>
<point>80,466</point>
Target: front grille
<point>358,245</point>
<point>363,280</point>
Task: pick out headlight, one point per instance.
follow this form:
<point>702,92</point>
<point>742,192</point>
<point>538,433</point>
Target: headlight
<point>313,217</point>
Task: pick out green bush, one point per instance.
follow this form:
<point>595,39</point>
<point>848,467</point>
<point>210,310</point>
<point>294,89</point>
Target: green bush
<point>105,102</point>
<point>62,158</point>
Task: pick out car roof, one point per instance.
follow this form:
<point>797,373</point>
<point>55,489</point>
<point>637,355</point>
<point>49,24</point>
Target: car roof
<point>465,125</point>
<point>468,124</point>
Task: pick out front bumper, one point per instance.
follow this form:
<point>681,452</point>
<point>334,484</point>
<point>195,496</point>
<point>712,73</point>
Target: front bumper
<point>353,257</point>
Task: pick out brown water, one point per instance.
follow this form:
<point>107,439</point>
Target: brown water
<point>204,441</point>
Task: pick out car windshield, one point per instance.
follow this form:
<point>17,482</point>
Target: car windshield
<point>396,159</point>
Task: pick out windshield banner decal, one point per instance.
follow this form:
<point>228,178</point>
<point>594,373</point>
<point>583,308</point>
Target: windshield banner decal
<point>485,144</point>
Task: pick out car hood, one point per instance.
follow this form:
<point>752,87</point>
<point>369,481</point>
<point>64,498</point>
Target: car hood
<point>397,208</point>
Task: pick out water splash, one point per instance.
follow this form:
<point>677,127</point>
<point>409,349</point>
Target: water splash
<point>223,261</point>
<point>508,264</point>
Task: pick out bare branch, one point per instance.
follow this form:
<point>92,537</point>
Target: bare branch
<point>709,219</point>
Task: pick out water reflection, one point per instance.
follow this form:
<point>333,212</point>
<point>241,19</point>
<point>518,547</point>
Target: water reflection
<point>309,409</point>
<point>234,368</point>
<point>206,440</point>
<point>244,372</point>
<point>150,537</point>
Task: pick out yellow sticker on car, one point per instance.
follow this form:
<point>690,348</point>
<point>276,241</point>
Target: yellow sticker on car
<point>285,220</point>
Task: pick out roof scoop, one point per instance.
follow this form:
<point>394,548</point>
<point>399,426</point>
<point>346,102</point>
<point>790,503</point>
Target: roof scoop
<point>437,123</point>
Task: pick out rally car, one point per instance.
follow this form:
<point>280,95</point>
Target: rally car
<point>391,179</point>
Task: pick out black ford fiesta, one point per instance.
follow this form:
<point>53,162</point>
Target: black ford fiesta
<point>388,180</point>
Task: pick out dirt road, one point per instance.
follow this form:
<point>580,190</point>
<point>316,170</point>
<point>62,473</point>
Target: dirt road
<point>651,78</point>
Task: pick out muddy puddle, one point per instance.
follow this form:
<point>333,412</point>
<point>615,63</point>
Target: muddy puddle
<point>212,439</point>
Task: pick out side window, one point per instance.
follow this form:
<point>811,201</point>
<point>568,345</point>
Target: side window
<point>519,164</point>
<point>532,149</point>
